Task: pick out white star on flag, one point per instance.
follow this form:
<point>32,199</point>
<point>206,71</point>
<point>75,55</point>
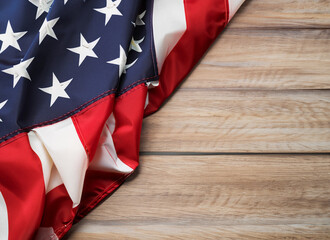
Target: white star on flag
<point>85,49</point>
<point>57,89</point>
<point>1,106</point>
<point>47,29</point>
<point>110,9</point>
<point>19,70</point>
<point>135,45</point>
<point>121,61</point>
<point>138,20</point>
<point>42,5</point>
<point>9,38</point>
<point>65,1</point>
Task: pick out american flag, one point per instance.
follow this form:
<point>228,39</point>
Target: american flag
<point>76,79</point>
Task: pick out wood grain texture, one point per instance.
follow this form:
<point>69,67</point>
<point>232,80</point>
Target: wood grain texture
<point>240,121</point>
<point>278,14</point>
<point>266,59</point>
<point>217,197</point>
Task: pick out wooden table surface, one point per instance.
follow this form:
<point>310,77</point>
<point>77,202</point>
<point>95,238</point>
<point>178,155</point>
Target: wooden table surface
<point>242,149</point>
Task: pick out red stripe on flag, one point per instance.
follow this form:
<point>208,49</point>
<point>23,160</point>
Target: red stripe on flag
<point>22,187</point>
<point>89,123</point>
<point>128,112</point>
<point>58,212</point>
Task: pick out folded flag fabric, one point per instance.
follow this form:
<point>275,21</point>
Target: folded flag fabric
<point>76,79</point>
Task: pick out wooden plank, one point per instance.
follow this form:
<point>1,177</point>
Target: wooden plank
<point>283,14</point>
<point>240,121</point>
<point>208,197</point>
<point>266,59</point>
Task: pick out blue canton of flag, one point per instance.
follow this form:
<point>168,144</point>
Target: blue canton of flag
<point>57,57</point>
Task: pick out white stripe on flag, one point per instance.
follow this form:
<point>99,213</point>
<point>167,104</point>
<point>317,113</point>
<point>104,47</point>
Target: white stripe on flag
<point>111,121</point>
<point>233,7</point>
<point>169,24</point>
<point>41,151</point>
<point>4,228</point>
<point>59,144</point>
<point>52,179</point>
<point>106,158</point>
<point>147,101</point>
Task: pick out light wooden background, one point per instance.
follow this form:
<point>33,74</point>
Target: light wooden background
<point>241,151</point>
